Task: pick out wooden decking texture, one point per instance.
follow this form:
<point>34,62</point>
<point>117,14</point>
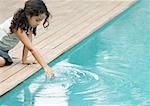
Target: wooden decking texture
<point>73,20</point>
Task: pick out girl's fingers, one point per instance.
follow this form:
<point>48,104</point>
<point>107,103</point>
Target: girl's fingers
<point>34,62</point>
<point>50,75</point>
<point>30,62</point>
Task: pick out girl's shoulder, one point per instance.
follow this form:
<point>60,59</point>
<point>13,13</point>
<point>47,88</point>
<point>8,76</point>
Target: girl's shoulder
<point>6,24</point>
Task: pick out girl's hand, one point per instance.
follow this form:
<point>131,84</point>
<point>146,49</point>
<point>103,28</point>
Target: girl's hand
<point>27,62</point>
<point>49,72</point>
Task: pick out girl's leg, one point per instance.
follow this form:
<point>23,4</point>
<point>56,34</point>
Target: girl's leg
<point>2,61</point>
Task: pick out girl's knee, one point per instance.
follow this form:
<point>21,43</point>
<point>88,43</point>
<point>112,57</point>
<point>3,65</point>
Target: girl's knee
<point>2,61</point>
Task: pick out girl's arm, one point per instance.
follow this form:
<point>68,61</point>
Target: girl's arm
<point>25,52</point>
<point>25,40</point>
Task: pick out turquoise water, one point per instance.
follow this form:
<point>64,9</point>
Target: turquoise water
<point>109,68</point>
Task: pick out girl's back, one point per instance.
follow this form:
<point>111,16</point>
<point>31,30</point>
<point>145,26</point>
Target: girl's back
<point>7,40</point>
<point>6,24</point>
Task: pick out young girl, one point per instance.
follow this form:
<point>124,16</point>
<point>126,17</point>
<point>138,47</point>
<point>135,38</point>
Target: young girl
<point>21,28</point>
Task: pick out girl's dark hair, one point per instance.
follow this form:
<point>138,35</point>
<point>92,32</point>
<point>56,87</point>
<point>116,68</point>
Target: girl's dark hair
<point>32,8</point>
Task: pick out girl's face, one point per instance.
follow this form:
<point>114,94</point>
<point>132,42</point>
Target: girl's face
<point>34,21</point>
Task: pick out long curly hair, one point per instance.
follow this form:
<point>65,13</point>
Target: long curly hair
<point>31,8</point>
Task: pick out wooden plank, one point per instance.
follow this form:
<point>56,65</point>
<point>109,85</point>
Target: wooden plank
<point>51,38</point>
<point>44,36</point>
<point>60,26</point>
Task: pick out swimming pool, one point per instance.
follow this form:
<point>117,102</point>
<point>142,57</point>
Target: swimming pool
<point>109,68</point>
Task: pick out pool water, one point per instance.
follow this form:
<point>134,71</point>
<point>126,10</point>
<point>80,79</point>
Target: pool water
<point>109,68</point>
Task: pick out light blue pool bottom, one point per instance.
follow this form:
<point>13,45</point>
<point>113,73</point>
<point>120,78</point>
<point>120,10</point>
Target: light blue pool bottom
<point>109,68</point>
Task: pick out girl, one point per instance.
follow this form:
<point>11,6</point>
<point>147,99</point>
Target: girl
<point>21,27</point>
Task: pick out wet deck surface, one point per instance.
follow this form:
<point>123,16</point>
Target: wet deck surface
<point>73,20</point>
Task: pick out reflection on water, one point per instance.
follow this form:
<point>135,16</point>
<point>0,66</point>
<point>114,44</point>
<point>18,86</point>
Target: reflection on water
<point>110,68</point>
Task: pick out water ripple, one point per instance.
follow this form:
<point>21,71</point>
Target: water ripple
<point>56,90</point>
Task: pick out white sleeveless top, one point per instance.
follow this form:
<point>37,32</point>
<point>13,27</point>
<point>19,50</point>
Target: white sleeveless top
<point>7,40</point>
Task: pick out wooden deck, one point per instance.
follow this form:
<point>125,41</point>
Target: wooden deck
<point>73,20</point>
